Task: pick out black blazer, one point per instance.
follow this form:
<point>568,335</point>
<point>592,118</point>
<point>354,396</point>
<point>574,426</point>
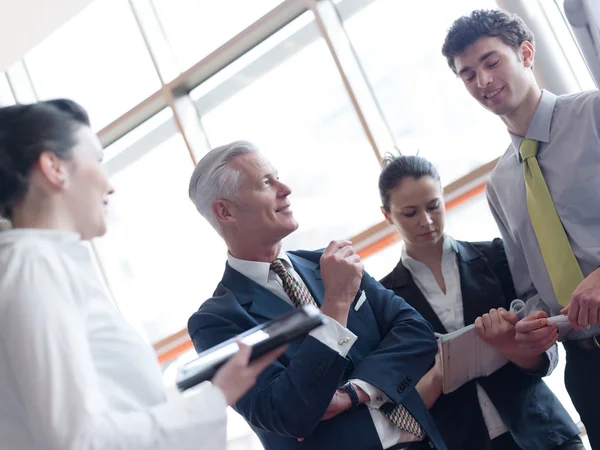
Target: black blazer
<point>534,416</point>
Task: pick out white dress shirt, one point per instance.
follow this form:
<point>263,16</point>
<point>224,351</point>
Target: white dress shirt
<point>73,373</point>
<point>334,335</point>
<point>449,309</point>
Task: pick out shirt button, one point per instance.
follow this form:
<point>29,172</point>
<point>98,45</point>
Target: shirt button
<point>343,340</point>
<point>379,399</point>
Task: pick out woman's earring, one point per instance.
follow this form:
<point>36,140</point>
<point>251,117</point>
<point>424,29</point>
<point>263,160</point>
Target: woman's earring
<point>62,181</point>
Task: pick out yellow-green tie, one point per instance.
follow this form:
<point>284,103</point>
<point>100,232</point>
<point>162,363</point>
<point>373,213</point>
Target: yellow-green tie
<point>560,261</point>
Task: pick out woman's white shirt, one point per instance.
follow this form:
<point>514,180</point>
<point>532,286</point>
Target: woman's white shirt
<point>448,307</point>
<point>73,374</point>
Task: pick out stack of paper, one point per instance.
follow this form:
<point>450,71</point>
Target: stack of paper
<point>465,356</point>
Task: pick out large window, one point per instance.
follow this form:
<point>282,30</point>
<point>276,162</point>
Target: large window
<point>312,115</point>
<point>98,59</point>
<point>306,127</point>
<point>161,258</point>
<point>195,28</point>
<point>6,95</point>
<point>424,103</point>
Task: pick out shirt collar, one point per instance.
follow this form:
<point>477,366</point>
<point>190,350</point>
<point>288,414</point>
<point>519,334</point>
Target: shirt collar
<point>59,236</point>
<point>539,129</point>
<point>67,241</point>
<point>257,271</point>
<point>448,247</point>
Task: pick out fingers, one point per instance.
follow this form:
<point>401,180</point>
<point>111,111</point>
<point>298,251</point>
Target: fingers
<point>361,267</point>
<point>582,312</point>
<point>537,337</point>
<point>533,322</point>
<point>494,318</point>
<point>486,321</point>
<point>242,357</point>
<point>550,341</point>
<point>345,251</point>
<point>335,246</point>
<point>509,316</point>
<point>593,316</point>
<point>544,342</point>
<point>573,313</point>
<point>354,259</point>
<point>479,327</point>
<point>583,318</point>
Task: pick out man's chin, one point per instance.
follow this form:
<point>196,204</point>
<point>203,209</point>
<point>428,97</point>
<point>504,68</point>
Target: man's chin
<point>502,109</point>
<point>292,226</point>
<point>288,229</point>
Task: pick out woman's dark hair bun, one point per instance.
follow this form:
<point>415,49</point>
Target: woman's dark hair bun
<point>26,131</point>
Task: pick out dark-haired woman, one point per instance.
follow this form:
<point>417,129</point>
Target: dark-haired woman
<point>454,284</point>
<point>73,374</point>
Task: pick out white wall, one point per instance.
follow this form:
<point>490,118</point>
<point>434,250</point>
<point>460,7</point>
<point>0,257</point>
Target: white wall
<point>25,23</point>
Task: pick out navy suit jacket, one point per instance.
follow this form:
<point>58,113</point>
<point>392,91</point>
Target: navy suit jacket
<point>534,416</point>
<point>395,347</point>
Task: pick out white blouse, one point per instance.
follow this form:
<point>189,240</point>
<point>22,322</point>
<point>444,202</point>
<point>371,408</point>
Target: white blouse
<point>449,309</point>
<point>73,374</point>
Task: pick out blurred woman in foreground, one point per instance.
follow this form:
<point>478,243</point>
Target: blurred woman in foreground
<point>73,374</point>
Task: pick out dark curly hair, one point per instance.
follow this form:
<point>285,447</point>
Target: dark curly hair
<point>485,22</point>
<point>397,168</point>
<point>26,131</point>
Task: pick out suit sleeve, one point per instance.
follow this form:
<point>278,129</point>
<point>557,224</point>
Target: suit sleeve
<point>407,349</point>
<point>288,401</point>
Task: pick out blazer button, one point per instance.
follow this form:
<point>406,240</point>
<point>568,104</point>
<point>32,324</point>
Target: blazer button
<point>401,389</point>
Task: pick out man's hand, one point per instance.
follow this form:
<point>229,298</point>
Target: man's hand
<point>239,374</point>
<point>341,402</point>
<point>585,302</point>
<point>342,272</point>
<point>497,328</point>
<point>430,386</point>
<point>534,335</point>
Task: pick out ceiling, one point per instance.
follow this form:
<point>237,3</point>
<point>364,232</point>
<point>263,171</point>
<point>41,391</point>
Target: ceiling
<point>25,23</point>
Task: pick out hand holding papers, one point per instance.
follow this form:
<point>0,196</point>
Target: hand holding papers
<point>465,356</point>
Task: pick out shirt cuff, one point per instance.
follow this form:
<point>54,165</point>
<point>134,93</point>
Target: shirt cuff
<point>377,398</point>
<point>335,336</point>
<point>552,355</point>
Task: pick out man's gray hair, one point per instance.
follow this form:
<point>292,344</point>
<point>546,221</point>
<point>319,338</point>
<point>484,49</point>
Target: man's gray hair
<point>214,179</point>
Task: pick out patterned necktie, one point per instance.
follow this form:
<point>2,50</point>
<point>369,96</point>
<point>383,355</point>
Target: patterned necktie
<point>561,264</point>
<point>298,293</point>
<point>402,419</point>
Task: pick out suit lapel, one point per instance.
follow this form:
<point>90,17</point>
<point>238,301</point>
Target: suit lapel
<point>474,274</point>
<point>258,300</point>
<point>404,286</point>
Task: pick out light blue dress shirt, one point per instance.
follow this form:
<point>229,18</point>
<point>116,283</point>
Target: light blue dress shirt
<point>568,129</point>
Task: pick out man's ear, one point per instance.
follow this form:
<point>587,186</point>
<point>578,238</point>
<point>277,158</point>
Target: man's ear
<point>53,169</point>
<point>222,209</point>
<point>387,216</point>
<point>527,53</point>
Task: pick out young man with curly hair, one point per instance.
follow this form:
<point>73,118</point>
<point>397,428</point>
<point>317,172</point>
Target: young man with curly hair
<point>543,193</point>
